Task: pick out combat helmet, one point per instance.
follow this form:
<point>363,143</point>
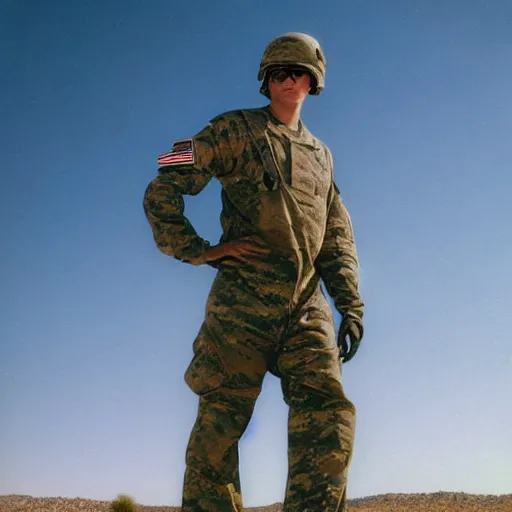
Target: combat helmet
<point>294,48</point>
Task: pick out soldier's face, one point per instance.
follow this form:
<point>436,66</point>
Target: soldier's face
<point>290,91</point>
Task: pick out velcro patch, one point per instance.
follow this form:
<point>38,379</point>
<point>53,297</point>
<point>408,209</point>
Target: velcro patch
<point>182,152</point>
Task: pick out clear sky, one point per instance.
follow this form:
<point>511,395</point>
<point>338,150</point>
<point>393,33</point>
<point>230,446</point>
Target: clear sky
<point>96,325</point>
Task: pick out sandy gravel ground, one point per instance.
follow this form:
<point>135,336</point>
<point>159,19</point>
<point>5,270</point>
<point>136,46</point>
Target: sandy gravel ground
<point>436,502</point>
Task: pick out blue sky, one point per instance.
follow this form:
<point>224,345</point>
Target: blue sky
<point>96,325</point>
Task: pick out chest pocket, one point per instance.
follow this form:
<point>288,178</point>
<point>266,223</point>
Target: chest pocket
<point>310,174</point>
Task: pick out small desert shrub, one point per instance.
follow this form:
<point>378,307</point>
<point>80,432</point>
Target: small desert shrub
<point>123,503</point>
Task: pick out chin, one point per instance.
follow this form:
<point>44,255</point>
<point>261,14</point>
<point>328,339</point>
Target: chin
<point>295,102</point>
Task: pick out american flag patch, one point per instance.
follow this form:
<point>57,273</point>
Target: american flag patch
<point>182,152</point>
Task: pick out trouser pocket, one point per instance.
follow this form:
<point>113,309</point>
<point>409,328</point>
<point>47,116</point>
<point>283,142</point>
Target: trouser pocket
<point>206,372</point>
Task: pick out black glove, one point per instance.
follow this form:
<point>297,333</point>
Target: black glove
<point>351,331</point>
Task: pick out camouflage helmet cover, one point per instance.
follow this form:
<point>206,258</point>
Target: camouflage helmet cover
<point>294,48</point>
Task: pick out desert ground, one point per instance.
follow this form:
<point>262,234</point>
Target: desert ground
<point>438,502</point>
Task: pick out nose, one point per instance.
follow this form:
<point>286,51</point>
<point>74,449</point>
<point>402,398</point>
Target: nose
<point>289,79</point>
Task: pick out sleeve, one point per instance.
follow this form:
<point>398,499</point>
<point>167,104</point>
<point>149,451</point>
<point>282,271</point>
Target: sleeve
<point>185,170</point>
<point>337,262</point>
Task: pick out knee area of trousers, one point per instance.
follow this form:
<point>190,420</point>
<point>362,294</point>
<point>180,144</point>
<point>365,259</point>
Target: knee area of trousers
<point>221,421</point>
<point>310,395</point>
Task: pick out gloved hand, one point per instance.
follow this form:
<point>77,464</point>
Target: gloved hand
<point>349,337</point>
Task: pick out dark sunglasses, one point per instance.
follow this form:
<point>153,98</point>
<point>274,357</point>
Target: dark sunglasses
<point>282,73</point>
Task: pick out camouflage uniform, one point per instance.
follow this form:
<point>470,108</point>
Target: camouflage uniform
<point>266,313</point>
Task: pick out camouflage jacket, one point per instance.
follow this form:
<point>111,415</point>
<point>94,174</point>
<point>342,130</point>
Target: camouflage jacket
<point>277,188</point>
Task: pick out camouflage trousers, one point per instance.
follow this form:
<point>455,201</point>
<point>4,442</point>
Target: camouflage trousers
<point>244,335</point>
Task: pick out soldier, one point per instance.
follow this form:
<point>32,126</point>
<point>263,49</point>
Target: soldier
<point>285,229</point>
